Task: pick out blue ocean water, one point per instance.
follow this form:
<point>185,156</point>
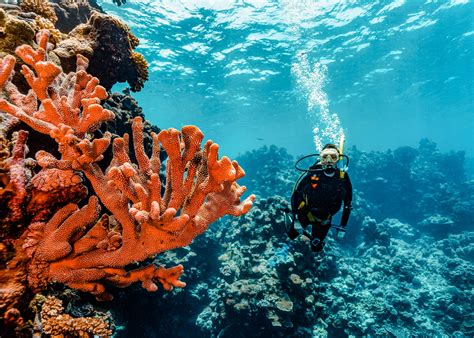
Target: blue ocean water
<point>298,73</point>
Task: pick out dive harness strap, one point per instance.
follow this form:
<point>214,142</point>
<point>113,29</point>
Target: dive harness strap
<point>290,222</point>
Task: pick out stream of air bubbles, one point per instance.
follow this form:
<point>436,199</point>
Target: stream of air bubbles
<point>310,78</point>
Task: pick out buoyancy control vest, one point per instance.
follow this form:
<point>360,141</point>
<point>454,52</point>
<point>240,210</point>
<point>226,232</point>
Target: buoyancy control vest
<point>320,193</point>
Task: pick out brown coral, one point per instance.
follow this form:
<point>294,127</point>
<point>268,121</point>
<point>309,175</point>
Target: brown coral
<point>14,32</point>
<point>12,274</point>
<point>142,68</point>
<point>7,122</point>
<point>56,35</point>
<point>55,322</point>
<point>13,318</point>
<point>71,13</point>
<point>108,44</point>
<point>40,7</point>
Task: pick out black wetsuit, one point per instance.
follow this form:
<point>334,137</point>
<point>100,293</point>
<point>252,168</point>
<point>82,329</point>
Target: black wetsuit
<point>318,197</point>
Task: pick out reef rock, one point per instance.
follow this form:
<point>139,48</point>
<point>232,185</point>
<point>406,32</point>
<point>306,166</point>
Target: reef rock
<point>108,44</point>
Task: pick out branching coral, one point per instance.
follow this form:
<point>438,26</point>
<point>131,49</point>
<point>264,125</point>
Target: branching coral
<point>18,178</point>
<point>73,247</point>
<point>15,173</point>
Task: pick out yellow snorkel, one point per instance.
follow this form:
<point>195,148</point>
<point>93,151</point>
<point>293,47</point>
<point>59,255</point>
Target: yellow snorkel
<point>341,146</point>
<point>341,153</point>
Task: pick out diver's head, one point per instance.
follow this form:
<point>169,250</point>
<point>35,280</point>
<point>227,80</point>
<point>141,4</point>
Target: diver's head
<point>329,155</point>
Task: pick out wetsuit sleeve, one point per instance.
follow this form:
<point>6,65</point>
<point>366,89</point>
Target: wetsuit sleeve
<point>347,202</point>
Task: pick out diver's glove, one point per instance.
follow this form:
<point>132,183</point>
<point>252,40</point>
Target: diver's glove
<point>345,218</point>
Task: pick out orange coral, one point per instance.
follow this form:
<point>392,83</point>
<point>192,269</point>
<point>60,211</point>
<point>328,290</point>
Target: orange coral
<point>51,187</point>
<point>74,247</point>
<point>18,178</point>
<point>12,317</point>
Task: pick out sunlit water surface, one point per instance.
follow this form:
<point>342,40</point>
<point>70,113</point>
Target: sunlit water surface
<point>301,73</point>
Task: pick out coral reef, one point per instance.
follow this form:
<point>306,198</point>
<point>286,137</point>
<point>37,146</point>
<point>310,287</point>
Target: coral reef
<point>419,186</point>
<point>385,278</point>
<point>106,41</point>
<point>94,213</point>
<point>71,13</point>
<point>15,31</point>
<point>397,281</point>
<point>270,171</point>
<point>78,246</point>
<point>420,182</point>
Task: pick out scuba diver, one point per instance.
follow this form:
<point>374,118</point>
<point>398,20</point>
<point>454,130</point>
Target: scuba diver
<point>319,196</point>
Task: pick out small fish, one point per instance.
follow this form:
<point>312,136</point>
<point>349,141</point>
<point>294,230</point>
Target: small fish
<point>259,138</point>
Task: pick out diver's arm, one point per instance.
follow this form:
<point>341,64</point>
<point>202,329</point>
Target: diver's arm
<point>347,202</point>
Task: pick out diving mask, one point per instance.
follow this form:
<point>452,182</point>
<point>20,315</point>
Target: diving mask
<point>329,157</point>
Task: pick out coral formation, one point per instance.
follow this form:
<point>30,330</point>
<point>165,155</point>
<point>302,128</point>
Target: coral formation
<point>15,31</point>
<point>125,109</point>
<point>18,177</point>
<point>74,247</point>
<point>54,187</point>
<point>415,185</point>
<point>55,322</point>
<point>12,320</point>
<point>15,173</point>
<point>72,13</point>
<point>108,44</point>
<point>273,175</point>
<point>106,41</point>
<point>372,289</point>
<point>421,182</point>
<point>40,7</point>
